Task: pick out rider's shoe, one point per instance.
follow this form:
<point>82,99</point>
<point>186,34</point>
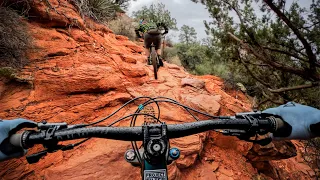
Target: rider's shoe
<point>149,60</point>
<point>160,61</point>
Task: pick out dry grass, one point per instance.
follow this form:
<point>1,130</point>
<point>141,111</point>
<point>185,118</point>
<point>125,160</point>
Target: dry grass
<point>123,25</point>
<point>14,39</point>
<point>99,10</point>
<point>175,60</point>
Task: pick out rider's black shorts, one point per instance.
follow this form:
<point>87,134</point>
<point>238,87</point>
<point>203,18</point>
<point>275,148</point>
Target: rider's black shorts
<point>152,38</point>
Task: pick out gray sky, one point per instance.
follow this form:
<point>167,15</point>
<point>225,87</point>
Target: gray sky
<point>185,11</point>
<point>192,14</point>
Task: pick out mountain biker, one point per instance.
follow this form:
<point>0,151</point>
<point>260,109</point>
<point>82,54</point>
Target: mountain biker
<point>151,34</point>
<point>304,120</point>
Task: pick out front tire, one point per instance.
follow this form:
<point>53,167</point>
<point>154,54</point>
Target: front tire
<point>154,57</point>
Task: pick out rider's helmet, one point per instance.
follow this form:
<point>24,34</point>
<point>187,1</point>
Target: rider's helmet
<point>142,21</point>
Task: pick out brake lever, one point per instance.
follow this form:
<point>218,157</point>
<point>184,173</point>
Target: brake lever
<point>253,118</point>
<point>243,135</point>
<point>261,142</point>
<point>34,158</point>
<point>51,144</point>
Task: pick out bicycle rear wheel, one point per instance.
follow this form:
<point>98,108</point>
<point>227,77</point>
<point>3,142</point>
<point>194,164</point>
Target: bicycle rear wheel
<point>154,58</point>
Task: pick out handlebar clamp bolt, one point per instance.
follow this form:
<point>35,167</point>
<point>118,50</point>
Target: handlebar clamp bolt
<point>174,153</point>
<point>130,155</point>
<point>156,147</point>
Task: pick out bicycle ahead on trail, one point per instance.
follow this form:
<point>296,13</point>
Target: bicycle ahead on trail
<point>155,153</point>
<point>152,35</point>
<point>154,58</point>
<point>154,61</point>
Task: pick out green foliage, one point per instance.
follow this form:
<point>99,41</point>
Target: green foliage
<point>190,55</point>
<point>187,34</point>
<point>199,59</point>
<point>156,13</point>
<point>14,39</point>
<point>123,3</point>
<point>279,49</point>
<point>7,72</point>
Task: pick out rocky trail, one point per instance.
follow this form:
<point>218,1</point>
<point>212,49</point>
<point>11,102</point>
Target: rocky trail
<point>81,72</point>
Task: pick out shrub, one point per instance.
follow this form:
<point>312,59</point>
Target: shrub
<point>123,25</point>
<point>175,60</point>
<point>99,10</point>
<point>14,39</point>
<point>22,7</point>
<point>169,52</point>
<point>7,72</point>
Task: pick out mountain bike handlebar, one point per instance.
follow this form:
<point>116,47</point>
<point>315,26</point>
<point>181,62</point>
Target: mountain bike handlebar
<point>155,153</point>
<point>30,138</point>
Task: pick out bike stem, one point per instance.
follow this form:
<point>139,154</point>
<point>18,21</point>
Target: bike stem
<point>156,152</point>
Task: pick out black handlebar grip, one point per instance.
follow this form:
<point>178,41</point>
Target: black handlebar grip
<point>16,140</point>
<point>283,129</point>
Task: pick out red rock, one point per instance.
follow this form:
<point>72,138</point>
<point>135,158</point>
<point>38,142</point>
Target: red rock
<point>273,151</point>
<point>79,35</point>
<point>129,59</point>
<point>224,177</point>
<point>214,165</point>
<point>85,73</point>
<point>122,38</point>
<point>208,103</point>
<point>226,172</point>
<point>311,173</point>
<point>57,15</point>
<point>199,84</point>
<point>133,71</point>
<point>173,66</point>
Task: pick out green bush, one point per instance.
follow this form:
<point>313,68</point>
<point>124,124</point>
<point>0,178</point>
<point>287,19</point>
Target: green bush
<point>218,69</point>
<point>7,72</point>
<point>191,55</point>
<point>14,39</point>
<point>123,25</point>
<point>99,10</point>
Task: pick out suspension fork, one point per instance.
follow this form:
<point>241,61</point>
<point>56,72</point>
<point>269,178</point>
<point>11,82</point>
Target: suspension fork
<point>155,154</point>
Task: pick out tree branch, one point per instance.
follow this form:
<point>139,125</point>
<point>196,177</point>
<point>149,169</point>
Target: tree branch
<point>274,64</point>
<point>270,99</point>
<point>242,21</point>
<point>308,27</point>
<point>289,47</point>
<point>255,64</point>
<point>261,103</point>
<point>312,57</point>
<point>285,52</point>
<point>305,86</point>
<point>251,73</point>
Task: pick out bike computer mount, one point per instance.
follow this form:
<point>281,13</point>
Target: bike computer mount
<point>155,153</point>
